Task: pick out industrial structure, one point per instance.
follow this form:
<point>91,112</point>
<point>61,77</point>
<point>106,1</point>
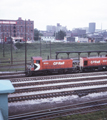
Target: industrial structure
<point>16,29</point>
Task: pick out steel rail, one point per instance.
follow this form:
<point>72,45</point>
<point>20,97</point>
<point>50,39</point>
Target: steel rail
<point>47,94</point>
<point>57,76</point>
<point>58,86</point>
<point>84,107</point>
<point>53,81</point>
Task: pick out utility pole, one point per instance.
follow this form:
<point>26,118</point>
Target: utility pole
<point>3,46</point>
<point>50,48</point>
<point>25,48</point>
<point>40,46</point>
<point>11,46</point>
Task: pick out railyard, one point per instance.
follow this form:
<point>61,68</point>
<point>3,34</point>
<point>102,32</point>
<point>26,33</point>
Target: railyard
<point>53,60</point>
<point>55,95</point>
<point>51,96</point>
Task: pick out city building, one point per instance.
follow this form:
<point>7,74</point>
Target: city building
<point>51,28</point>
<point>69,33</point>
<point>60,27</point>
<point>48,38</point>
<point>91,40</point>
<point>81,40</point>
<point>69,39</point>
<point>78,32</point>
<point>16,29</point>
<point>92,27</point>
<point>46,33</point>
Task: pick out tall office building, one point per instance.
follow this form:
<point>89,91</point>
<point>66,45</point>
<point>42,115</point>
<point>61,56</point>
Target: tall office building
<point>92,27</point>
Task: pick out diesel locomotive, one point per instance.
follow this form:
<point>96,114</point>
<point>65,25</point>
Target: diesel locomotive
<point>39,66</point>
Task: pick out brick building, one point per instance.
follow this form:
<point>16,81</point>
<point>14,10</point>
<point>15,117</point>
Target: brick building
<point>16,29</point>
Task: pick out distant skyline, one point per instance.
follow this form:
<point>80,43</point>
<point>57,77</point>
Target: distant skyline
<point>69,13</point>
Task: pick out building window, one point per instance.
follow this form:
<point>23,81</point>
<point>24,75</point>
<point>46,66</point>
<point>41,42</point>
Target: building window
<point>14,27</point>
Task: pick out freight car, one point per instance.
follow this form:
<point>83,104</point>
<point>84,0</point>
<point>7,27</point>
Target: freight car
<point>39,66</point>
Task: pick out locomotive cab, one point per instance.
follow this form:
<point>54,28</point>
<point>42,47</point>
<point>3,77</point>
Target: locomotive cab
<point>36,64</point>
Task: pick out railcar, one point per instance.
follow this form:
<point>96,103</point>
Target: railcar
<point>93,63</point>
<point>40,66</point>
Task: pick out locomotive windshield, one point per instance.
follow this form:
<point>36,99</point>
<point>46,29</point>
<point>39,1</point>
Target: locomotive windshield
<point>85,62</point>
<point>38,61</point>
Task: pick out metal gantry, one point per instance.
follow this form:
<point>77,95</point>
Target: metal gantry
<point>79,53</point>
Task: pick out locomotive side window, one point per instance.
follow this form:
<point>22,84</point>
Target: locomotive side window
<point>38,61</point>
<point>85,62</point>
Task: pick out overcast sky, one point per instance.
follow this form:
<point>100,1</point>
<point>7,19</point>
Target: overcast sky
<point>69,13</point>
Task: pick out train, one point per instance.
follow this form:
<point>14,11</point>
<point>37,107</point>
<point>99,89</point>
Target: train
<point>38,66</point>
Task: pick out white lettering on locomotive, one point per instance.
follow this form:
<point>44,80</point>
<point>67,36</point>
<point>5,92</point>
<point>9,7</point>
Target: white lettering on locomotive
<point>58,63</point>
<point>95,62</point>
<point>104,60</point>
<point>45,63</point>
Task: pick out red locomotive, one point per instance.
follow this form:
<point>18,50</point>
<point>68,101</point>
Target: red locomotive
<point>49,66</point>
<point>39,66</point>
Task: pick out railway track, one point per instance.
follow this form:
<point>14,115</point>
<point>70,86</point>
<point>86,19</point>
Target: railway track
<point>57,93</point>
<point>9,75</point>
<point>38,88</point>
<point>38,85</point>
<point>18,75</point>
<point>19,79</point>
<point>59,80</point>
<point>47,88</point>
<point>84,107</point>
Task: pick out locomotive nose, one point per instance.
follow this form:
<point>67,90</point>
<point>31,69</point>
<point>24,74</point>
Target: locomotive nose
<point>35,66</point>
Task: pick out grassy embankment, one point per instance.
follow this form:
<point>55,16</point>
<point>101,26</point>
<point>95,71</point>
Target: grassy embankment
<point>99,115</point>
<point>34,50</point>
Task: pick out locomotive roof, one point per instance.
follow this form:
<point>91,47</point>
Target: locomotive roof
<point>92,57</point>
<point>56,59</point>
